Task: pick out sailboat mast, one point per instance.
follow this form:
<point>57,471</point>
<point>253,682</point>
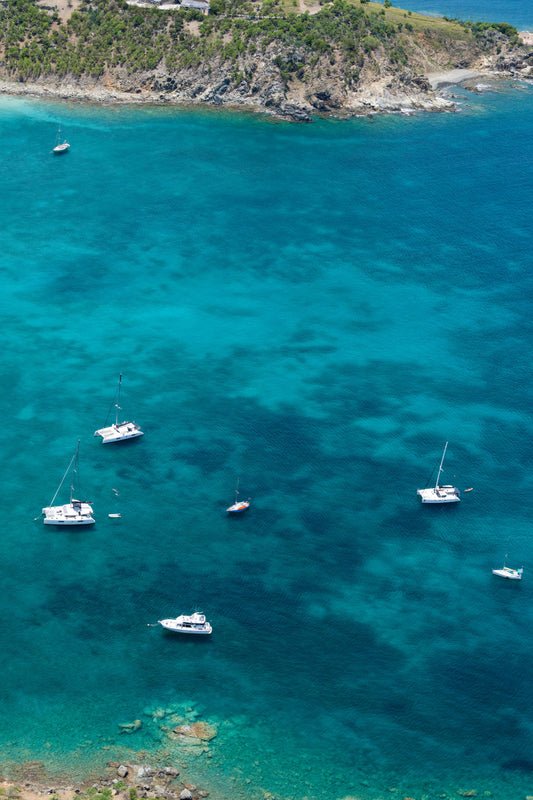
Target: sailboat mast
<point>441,463</point>
<point>74,472</point>
<point>117,404</point>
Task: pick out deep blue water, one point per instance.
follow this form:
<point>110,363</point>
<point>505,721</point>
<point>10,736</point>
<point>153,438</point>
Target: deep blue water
<point>316,310</point>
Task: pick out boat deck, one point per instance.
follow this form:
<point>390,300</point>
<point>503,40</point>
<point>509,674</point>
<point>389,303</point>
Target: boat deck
<point>117,433</point>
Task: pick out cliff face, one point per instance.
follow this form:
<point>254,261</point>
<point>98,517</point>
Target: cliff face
<point>342,61</point>
<point>324,90</point>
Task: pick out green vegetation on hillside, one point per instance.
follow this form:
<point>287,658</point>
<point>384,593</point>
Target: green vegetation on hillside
<point>104,35</point>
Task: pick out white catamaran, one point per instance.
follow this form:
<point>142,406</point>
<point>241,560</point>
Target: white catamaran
<point>119,431</point>
<point>439,494</point>
<point>76,512</point>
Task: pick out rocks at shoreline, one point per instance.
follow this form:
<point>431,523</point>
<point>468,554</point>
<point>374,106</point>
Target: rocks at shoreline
<point>122,781</point>
<point>179,739</point>
<point>403,92</point>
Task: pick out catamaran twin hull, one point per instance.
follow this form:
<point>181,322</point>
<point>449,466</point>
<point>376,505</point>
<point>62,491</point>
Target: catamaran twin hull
<point>439,494</point>
<point>75,513</point>
<point>120,432</point>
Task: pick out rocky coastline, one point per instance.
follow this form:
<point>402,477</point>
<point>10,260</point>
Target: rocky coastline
<point>158,775</point>
<point>124,781</point>
<point>405,92</point>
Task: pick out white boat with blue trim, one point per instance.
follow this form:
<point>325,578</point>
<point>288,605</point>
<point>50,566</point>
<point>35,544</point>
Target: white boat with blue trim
<point>508,572</point>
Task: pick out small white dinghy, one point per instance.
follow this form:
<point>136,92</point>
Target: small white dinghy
<point>119,431</point>
<point>195,623</point>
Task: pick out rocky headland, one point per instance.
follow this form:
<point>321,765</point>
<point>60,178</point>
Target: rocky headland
<point>376,59</point>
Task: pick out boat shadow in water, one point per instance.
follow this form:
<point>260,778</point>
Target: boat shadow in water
<point>442,508</point>
<point>183,639</point>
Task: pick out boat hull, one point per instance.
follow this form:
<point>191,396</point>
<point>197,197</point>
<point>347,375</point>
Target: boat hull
<point>119,433</point>
<point>68,515</point>
<point>60,149</point>
<point>196,625</point>
<point>238,508</point>
<point>508,573</point>
<point>439,495</point>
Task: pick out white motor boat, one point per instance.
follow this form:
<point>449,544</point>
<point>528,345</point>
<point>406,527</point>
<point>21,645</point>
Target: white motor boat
<point>195,623</point>
<point>77,512</point>
<point>119,431</point>
<point>439,494</point>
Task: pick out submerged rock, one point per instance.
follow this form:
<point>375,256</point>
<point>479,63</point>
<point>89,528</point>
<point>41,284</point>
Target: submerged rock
<point>197,730</point>
<point>130,727</point>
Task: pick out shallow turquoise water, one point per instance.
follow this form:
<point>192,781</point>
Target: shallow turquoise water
<point>315,309</point>
<point>514,12</point>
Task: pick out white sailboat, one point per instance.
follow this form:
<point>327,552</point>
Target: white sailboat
<point>508,572</point>
<point>239,505</point>
<point>76,512</point>
<point>439,494</point>
<point>119,431</point>
<point>61,146</point>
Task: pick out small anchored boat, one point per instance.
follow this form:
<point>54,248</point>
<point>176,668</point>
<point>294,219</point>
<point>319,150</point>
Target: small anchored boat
<point>439,494</point>
<point>195,623</point>
<point>238,505</point>
<point>119,431</point>
<point>61,146</point>
<point>76,512</point>
<point>508,572</point>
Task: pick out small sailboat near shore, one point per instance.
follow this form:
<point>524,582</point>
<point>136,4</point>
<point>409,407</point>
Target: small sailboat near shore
<point>61,145</point>
<point>239,505</point>
<point>119,431</point>
<point>508,572</point>
<point>440,494</point>
<point>76,512</point>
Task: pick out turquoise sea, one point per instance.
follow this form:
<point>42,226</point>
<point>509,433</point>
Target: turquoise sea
<point>315,310</point>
